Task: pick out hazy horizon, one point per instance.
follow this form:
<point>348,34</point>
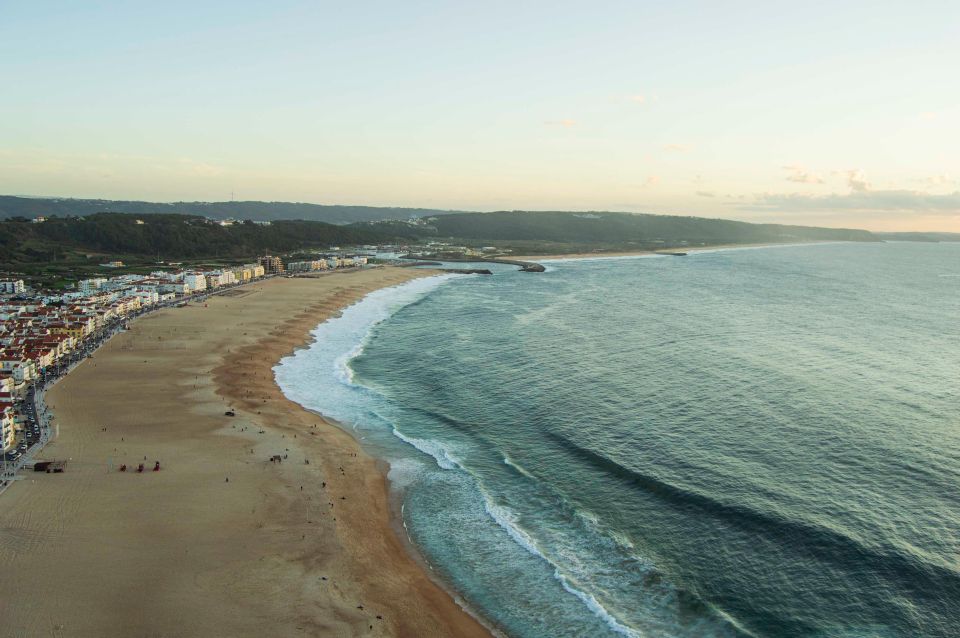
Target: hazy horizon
<point>840,116</point>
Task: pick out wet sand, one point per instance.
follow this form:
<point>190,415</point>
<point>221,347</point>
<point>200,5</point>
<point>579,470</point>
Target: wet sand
<point>221,541</point>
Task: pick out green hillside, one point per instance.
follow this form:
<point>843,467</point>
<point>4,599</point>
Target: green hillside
<point>602,230</point>
<point>172,236</point>
<point>265,211</point>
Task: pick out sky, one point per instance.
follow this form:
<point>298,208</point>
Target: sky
<point>842,113</point>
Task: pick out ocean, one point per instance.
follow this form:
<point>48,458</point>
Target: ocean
<point>746,442</point>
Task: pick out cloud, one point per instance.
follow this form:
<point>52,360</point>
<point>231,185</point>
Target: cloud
<point>676,148</point>
<point>801,175</point>
<point>805,178</point>
<point>653,180</point>
<point>565,123</point>
<point>639,99</point>
<point>857,180</point>
<point>706,194</point>
<point>864,200</point>
<point>938,180</point>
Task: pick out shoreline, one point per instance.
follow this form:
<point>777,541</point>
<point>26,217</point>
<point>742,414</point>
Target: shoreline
<point>399,529</point>
<point>259,547</point>
<point>394,495</point>
<point>382,466</point>
<point>666,252</point>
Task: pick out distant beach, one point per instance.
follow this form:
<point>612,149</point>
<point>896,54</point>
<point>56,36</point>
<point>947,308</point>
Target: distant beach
<point>663,251</point>
<point>222,541</point>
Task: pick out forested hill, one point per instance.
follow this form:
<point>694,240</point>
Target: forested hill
<point>602,229</point>
<point>30,207</point>
<point>617,229</point>
<point>183,236</point>
<point>172,236</point>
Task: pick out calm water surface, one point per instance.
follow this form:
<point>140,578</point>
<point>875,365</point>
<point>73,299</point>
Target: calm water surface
<point>754,442</point>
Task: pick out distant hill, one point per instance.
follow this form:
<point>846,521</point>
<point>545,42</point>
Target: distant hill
<point>170,236</point>
<point>31,207</point>
<point>610,229</point>
<point>926,237</point>
<point>178,236</point>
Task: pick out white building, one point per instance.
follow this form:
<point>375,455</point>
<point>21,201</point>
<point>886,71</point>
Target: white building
<point>21,368</point>
<point>195,281</point>
<point>219,278</point>
<point>174,288</point>
<point>7,435</point>
<point>12,286</point>
<point>147,297</point>
<point>307,266</point>
<point>87,286</point>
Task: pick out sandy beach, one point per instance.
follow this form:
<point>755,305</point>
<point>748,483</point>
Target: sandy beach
<point>221,541</point>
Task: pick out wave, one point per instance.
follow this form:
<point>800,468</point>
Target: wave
<point>519,468</point>
<point>507,519</point>
<point>821,542</point>
<point>341,367</point>
<point>442,454</point>
<point>341,339</point>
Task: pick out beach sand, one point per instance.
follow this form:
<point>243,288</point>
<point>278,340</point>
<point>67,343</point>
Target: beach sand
<point>185,551</point>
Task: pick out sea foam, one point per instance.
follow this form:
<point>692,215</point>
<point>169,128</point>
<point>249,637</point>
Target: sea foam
<point>509,521</point>
<point>303,376</point>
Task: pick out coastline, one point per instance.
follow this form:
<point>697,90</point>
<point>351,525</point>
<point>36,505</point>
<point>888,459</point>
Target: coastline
<point>664,251</point>
<point>259,547</point>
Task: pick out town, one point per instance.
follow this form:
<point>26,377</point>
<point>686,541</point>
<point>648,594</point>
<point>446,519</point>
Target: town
<point>44,333</point>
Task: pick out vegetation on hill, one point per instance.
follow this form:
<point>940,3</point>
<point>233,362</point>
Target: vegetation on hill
<point>64,248</point>
<point>84,240</point>
<point>606,230</point>
<point>263,211</point>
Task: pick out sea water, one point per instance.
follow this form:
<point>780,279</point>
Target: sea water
<point>757,442</point>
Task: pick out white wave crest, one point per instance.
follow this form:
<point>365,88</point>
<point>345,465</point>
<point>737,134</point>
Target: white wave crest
<point>303,376</point>
<point>441,454</point>
<point>508,461</point>
<point>341,366</point>
<point>508,520</point>
<point>594,605</point>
